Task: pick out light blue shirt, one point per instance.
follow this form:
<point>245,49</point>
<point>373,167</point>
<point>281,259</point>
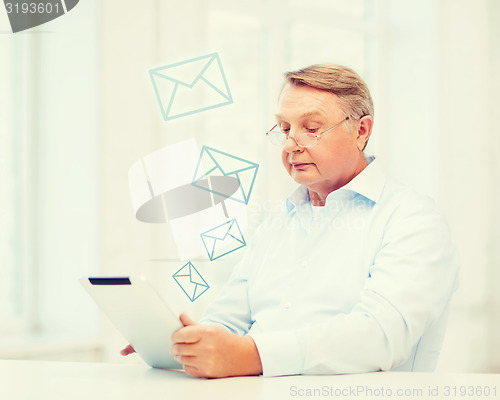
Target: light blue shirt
<point>361,284</point>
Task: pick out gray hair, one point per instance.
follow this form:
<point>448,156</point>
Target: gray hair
<point>346,84</point>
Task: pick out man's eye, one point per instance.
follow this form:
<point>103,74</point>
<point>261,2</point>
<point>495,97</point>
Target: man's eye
<point>312,130</point>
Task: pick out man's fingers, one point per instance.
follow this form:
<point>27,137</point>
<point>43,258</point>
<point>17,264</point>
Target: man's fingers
<point>188,334</point>
<point>193,371</point>
<point>127,350</point>
<point>186,361</point>
<point>186,349</point>
<point>186,319</point>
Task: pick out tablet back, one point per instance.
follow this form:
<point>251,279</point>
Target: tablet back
<point>139,313</point>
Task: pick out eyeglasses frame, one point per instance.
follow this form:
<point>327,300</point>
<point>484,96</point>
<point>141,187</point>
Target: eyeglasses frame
<point>315,136</point>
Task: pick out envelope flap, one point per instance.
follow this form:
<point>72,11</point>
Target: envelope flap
<point>220,232</point>
<point>227,163</point>
<point>235,232</point>
<point>215,77</point>
<point>205,166</point>
<point>196,277</point>
<point>184,271</point>
<point>185,72</point>
<point>246,178</point>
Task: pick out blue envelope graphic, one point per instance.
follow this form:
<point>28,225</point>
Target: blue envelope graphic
<point>223,239</point>
<point>190,281</point>
<point>219,164</point>
<point>191,86</point>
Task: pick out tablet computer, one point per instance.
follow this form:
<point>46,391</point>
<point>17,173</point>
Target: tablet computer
<point>139,313</point>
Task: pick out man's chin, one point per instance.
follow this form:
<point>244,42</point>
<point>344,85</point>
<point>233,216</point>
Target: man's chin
<point>300,177</point>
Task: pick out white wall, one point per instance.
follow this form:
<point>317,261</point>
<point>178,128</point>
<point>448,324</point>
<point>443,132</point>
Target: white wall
<point>468,84</point>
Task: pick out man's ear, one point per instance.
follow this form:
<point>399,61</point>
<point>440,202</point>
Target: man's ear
<point>364,131</point>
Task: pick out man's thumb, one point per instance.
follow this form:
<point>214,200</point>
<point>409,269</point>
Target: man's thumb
<point>186,319</point>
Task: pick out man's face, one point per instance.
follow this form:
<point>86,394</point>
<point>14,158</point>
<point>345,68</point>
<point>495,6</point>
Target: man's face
<point>337,157</point>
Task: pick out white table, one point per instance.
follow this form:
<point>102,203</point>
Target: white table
<point>40,380</point>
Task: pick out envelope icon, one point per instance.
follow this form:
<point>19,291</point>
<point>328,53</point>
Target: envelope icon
<point>190,281</point>
<point>191,86</point>
<point>218,164</point>
<point>223,239</point>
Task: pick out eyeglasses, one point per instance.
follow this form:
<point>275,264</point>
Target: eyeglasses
<point>303,139</point>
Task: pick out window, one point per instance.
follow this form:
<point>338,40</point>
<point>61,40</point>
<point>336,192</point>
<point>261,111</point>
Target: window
<point>49,180</point>
<point>9,299</point>
<point>16,289</point>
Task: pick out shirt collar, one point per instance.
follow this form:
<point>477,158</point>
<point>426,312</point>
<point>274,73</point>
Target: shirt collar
<point>298,197</point>
<point>368,183</point>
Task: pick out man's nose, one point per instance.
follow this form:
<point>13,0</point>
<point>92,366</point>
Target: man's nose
<point>291,145</point>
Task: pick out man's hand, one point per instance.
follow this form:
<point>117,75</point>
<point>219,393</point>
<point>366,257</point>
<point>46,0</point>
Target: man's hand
<point>210,351</point>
